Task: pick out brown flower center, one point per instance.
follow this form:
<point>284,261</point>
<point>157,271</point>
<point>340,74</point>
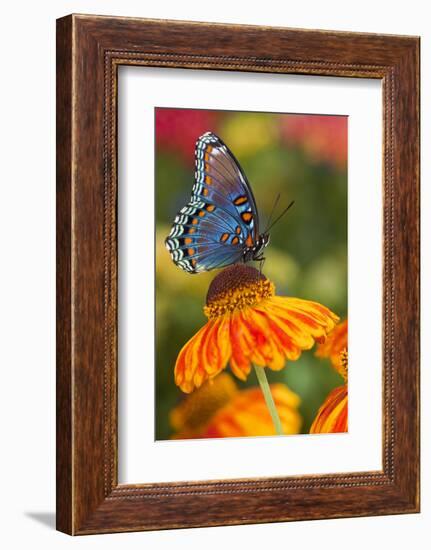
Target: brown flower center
<point>237,287</point>
<point>344,363</point>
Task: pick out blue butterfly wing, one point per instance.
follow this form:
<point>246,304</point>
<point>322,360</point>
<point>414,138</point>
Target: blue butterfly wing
<point>194,243</point>
<point>221,219</point>
<point>220,179</point>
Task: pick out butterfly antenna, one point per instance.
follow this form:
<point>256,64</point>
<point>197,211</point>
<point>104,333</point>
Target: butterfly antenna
<point>268,224</point>
<point>280,216</point>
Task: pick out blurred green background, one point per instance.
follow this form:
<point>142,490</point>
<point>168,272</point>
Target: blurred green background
<point>302,157</point>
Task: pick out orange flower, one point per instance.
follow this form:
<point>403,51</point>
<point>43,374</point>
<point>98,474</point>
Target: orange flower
<point>248,324</point>
<point>332,415</point>
<point>334,346</point>
<point>219,409</point>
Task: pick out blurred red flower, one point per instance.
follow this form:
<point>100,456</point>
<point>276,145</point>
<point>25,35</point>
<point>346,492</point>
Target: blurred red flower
<point>178,129</point>
<point>322,137</point>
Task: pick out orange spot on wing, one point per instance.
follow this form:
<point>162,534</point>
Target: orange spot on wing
<point>240,200</point>
<point>188,240</point>
<point>195,221</point>
<point>246,216</point>
<point>202,213</point>
<point>191,251</point>
<point>235,240</point>
<point>249,240</point>
<point>205,192</point>
<point>238,230</point>
<point>210,207</point>
<point>224,237</point>
<point>193,262</point>
<point>208,180</point>
<point>192,230</point>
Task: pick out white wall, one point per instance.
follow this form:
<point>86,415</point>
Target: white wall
<point>27,309</point>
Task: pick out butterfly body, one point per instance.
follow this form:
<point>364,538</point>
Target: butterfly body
<point>220,224</point>
<point>255,252</point>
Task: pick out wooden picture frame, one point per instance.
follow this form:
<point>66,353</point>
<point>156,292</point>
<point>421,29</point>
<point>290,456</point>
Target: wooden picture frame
<point>89,52</point>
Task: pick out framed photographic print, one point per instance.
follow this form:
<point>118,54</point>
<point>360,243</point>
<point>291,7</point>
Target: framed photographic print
<point>237,274</point>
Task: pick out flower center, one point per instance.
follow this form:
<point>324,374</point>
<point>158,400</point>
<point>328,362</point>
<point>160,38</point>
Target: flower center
<point>198,407</point>
<point>237,287</point>
<point>344,363</point>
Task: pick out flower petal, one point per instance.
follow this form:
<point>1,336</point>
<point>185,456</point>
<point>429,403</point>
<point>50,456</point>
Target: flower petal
<point>194,351</point>
<point>303,320</point>
<point>241,344</point>
<point>283,340</point>
<point>313,311</point>
<point>259,347</point>
<point>189,359</point>
<point>332,415</point>
<point>210,351</point>
<point>247,415</point>
<point>267,350</point>
<point>222,342</point>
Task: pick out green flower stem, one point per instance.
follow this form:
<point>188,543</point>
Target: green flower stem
<point>264,386</point>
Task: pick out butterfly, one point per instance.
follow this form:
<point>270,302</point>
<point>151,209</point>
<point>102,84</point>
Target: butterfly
<point>220,224</point>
